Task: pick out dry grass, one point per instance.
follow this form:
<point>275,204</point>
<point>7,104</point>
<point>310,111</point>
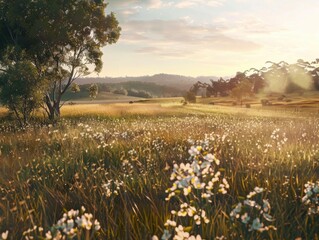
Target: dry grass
<point>3,111</point>
<point>115,110</point>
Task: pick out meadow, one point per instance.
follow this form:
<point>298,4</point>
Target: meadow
<point>162,170</point>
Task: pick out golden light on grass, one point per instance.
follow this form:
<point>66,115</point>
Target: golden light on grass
<point>115,110</point>
<point>99,163</point>
<point>3,111</point>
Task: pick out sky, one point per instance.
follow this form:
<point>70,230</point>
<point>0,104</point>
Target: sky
<point>209,37</point>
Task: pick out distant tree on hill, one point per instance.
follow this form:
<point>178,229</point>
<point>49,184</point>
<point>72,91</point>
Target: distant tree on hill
<point>75,88</point>
<point>93,90</point>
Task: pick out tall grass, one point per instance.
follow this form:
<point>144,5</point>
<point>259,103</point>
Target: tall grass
<point>119,169</point>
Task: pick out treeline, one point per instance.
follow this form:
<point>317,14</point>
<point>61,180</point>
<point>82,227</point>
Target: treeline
<point>276,77</point>
<point>154,89</point>
<point>133,88</point>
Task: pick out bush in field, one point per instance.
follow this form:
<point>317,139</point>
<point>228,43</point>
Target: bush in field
<point>190,97</point>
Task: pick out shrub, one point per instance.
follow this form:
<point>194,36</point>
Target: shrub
<point>190,97</point>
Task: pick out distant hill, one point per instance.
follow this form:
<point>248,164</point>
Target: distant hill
<point>153,89</point>
<point>182,83</point>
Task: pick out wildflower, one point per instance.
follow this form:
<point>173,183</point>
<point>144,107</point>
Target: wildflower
<point>166,235</point>
<point>266,205</point>
<point>311,198</point>
<point>48,235</point>
<point>251,194</point>
<point>245,218</point>
<point>197,219</point>
<point>198,237</point>
<point>194,151</point>
<point>180,234</point>
<point>258,190</point>
<point>197,180</point>
<point>235,212</point>
<point>170,223</point>
<point>97,225</point>
<point>254,212</point>
<point>257,225</point>
<point>4,235</point>
<point>187,190</point>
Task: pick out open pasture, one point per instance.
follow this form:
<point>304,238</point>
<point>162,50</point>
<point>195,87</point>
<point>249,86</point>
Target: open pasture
<point>159,167</point>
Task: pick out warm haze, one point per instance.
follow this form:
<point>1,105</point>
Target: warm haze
<point>209,37</point>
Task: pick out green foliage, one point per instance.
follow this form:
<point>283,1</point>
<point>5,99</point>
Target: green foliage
<point>21,90</point>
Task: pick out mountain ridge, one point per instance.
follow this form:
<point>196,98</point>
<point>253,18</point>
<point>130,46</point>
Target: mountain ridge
<point>177,81</point>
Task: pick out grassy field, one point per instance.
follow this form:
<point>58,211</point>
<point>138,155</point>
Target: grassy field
<point>163,168</point>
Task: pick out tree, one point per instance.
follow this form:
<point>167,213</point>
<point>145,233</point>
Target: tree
<point>62,38</point>
<point>21,90</point>
<point>93,90</point>
<point>242,90</point>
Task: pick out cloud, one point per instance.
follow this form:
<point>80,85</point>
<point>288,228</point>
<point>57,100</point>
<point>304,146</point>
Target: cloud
<point>191,3</point>
<point>179,38</point>
<point>157,4</point>
<point>238,23</point>
<point>120,3</point>
<point>130,11</point>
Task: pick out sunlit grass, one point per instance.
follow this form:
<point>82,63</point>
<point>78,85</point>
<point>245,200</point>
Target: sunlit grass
<point>3,111</point>
<point>114,110</point>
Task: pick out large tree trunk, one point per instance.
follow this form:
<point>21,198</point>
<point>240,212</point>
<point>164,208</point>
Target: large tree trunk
<point>53,108</point>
